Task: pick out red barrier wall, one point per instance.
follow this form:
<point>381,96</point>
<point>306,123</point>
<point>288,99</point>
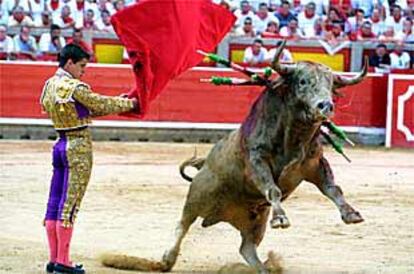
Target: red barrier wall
<point>185,98</point>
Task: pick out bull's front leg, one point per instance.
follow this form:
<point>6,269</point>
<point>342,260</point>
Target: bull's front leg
<point>321,175</point>
<point>263,179</point>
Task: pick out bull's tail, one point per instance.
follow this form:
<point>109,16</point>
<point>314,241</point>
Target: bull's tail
<point>194,162</point>
<point>125,262</point>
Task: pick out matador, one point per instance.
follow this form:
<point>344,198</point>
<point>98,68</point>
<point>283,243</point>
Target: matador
<point>71,104</point>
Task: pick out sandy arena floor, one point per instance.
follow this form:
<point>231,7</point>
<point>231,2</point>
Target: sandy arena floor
<point>135,197</point>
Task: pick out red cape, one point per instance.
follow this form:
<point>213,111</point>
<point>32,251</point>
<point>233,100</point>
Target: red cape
<point>162,37</point>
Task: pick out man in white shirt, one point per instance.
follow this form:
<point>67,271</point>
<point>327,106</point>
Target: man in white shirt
<point>321,6</point>
<point>52,42</point>
<point>396,19</point>
<point>400,59</point>
<point>4,13</point>
<point>307,19</point>
<point>262,18</point>
<point>242,13</point>
<point>407,33</point>
<point>377,23</point>
<point>6,43</point>
<point>285,57</point>
<point>11,5</point>
<point>19,18</point>
<point>365,5</point>
<point>292,31</point>
<point>355,22</point>
<point>104,23</point>
<point>255,54</point>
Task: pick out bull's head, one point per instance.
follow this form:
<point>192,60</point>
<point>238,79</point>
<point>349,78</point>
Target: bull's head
<point>309,87</point>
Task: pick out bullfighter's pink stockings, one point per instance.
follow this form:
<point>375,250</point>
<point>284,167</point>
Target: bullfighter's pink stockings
<point>64,236</point>
<point>52,239</point>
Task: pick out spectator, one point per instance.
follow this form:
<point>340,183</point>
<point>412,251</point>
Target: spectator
<point>247,29</point>
<point>388,35</point>
<point>255,54</point>
<point>291,31</point>
<point>285,57</point>
<point>355,22</point>
<point>396,20</point>
<point>105,23</point>
<point>365,5</point>
<point>65,20</point>
<point>318,29</point>
<point>365,33</point>
<point>36,8</point>
<point>25,44</point>
<point>54,7</point>
<point>45,20</point>
<point>11,5</point>
<point>400,59</point>
<point>4,13</point>
<point>284,14</point>
<point>336,35</point>
<point>79,12</point>
<point>129,2</point>
<point>77,39</point>
<point>307,19</point>
<point>380,59</point>
<point>410,9</point>
<point>52,42</point>
<point>225,5</point>
<point>377,22</point>
<point>6,44</point>
<point>119,5</point>
<point>102,5</point>
<point>272,30</point>
<point>406,35</point>
<point>262,18</point>
<point>242,13</point>
<point>333,15</point>
<point>89,21</point>
<point>19,18</point>
<point>386,4</point>
<point>321,6</point>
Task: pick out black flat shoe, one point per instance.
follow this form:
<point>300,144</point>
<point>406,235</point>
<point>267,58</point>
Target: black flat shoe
<point>63,269</point>
<point>50,267</point>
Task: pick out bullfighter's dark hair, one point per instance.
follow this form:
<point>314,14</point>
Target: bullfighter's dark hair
<point>72,52</point>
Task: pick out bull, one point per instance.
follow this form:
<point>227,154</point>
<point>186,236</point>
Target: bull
<point>254,169</point>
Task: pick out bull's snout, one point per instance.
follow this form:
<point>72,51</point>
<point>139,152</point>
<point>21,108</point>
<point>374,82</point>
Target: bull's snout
<point>325,107</point>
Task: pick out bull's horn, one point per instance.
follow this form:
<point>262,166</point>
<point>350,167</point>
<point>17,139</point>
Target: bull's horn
<point>282,69</point>
<point>341,81</point>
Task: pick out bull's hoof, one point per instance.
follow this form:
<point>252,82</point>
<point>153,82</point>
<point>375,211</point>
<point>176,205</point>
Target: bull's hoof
<point>352,217</point>
<point>280,221</point>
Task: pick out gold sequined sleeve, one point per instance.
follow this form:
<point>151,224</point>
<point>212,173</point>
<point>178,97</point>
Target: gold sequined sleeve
<point>100,105</point>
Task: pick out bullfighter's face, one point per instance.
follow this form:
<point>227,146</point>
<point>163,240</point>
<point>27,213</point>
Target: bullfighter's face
<point>311,91</point>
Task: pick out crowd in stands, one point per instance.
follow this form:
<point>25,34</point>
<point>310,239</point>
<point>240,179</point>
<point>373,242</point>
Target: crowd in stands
<point>333,21</point>
<point>52,15</point>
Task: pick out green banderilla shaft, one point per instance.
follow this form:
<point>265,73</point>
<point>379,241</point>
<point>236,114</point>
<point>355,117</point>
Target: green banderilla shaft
<point>335,145</point>
<point>218,59</point>
<point>338,132</point>
<point>223,80</point>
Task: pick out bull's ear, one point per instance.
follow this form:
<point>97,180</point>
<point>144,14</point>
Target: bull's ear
<point>340,81</point>
<point>282,69</point>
